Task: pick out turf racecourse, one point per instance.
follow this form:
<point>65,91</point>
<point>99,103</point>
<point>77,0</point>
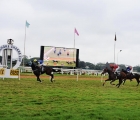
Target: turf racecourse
<point>68,99</point>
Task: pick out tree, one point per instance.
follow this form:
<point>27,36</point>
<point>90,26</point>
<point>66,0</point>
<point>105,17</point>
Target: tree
<point>136,68</point>
<point>82,64</point>
<point>90,65</point>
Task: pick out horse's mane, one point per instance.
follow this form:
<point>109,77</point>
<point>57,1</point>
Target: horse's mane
<point>124,71</point>
<point>109,70</point>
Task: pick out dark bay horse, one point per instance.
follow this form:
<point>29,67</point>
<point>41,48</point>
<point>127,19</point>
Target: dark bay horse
<point>114,76</point>
<point>131,76</point>
<point>46,69</point>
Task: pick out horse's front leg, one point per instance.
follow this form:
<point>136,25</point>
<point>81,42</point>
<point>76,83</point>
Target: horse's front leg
<point>38,79</point>
<point>112,82</point>
<point>124,81</point>
<point>105,81</point>
<point>51,79</point>
<point>120,82</point>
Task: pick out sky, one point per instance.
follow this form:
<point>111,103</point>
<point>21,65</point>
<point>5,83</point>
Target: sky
<point>52,23</point>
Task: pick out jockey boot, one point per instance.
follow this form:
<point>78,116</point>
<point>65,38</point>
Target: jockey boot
<point>42,68</point>
<point>116,74</point>
<point>131,74</point>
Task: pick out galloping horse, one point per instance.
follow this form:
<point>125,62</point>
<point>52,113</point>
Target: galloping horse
<point>112,76</point>
<point>46,69</point>
<point>131,76</point>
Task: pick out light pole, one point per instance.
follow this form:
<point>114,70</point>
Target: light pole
<point>117,55</point>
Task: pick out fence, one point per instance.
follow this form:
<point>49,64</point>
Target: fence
<point>68,71</point>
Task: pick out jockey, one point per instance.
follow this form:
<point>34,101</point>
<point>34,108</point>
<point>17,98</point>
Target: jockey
<point>114,67</point>
<point>129,69</point>
<point>39,63</point>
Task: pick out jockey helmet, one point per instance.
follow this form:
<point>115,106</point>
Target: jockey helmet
<point>35,60</point>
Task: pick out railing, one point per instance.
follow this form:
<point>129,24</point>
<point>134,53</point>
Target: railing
<point>80,71</point>
<point>68,71</point>
<point>3,66</point>
<point>25,69</point>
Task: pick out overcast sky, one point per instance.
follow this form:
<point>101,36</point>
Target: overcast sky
<point>52,23</point>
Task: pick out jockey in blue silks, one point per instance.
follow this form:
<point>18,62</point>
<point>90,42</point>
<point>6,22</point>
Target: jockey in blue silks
<point>129,69</point>
<point>39,63</point>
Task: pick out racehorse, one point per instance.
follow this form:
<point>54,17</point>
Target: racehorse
<point>112,76</point>
<point>46,69</point>
<point>131,76</point>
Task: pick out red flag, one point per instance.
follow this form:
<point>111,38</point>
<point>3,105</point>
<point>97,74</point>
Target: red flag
<point>76,32</point>
<point>115,38</point>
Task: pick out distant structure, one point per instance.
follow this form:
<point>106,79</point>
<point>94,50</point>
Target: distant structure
<point>7,69</point>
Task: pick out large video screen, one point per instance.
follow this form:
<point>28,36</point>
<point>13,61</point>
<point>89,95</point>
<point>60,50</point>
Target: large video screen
<point>59,56</point>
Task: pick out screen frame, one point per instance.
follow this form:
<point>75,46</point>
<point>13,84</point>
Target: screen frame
<point>42,49</point>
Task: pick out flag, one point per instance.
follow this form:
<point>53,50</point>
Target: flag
<point>27,24</point>
<point>76,32</point>
<point>115,38</point>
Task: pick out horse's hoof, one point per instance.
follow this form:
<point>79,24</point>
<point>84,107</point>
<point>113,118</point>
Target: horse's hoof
<point>118,86</point>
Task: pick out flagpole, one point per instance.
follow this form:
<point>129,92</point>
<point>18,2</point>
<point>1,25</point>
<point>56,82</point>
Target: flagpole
<point>24,44</point>
<point>75,31</point>
<point>74,45</point>
<point>74,53</point>
<point>114,51</point>
<point>114,46</point>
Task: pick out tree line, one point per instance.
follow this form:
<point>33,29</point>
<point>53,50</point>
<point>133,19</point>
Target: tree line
<point>88,65</point>
<point>101,66</point>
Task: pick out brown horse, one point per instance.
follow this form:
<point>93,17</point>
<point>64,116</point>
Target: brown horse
<point>131,76</point>
<point>46,69</point>
<point>114,76</point>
